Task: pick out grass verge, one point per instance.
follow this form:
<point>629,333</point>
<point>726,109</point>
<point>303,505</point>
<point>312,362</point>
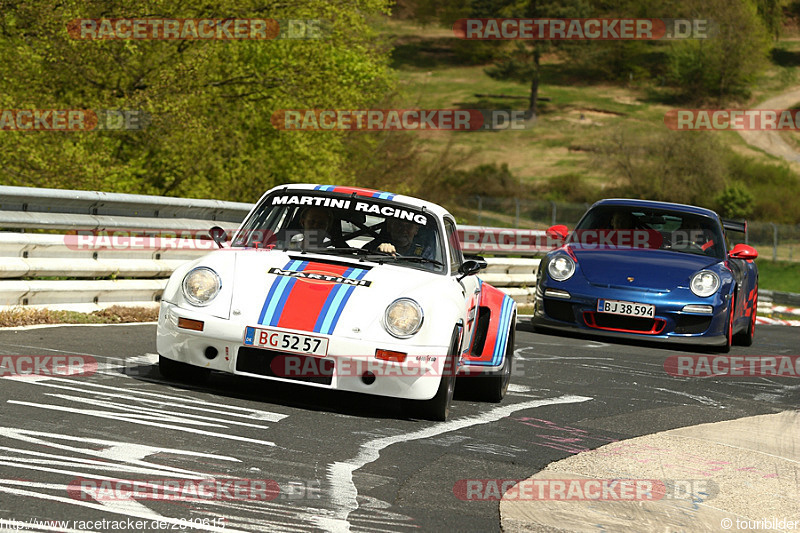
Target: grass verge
<point>21,316</point>
<point>778,275</point>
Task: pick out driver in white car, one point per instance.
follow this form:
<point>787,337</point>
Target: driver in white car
<point>402,237</point>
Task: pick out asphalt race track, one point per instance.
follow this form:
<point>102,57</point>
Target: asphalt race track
<point>342,462</point>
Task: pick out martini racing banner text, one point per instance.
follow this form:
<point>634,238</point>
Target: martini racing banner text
<point>355,205</point>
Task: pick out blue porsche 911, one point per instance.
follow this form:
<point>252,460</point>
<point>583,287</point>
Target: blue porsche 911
<point>650,270</point>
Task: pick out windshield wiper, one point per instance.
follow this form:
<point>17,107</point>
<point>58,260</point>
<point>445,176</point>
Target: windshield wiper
<point>351,250</point>
<point>339,249</point>
<point>359,251</point>
<point>419,259</point>
<point>379,255</point>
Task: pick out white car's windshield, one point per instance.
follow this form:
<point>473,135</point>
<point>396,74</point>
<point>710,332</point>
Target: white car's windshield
<point>344,225</point>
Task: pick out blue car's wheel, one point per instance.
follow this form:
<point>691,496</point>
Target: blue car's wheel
<point>745,338</point>
<point>725,348</point>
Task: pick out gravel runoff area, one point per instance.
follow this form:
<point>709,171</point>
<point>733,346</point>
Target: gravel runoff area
<point>746,469</point>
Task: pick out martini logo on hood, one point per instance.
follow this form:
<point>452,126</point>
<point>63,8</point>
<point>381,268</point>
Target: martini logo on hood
<point>318,276</point>
<point>310,295</point>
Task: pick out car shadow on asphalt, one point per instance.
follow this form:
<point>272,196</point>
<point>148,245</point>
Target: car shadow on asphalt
<point>664,346</point>
<point>284,394</point>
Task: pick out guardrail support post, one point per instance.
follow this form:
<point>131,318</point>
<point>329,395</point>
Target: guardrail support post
<point>516,217</point>
<point>774,241</point>
<point>553,204</point>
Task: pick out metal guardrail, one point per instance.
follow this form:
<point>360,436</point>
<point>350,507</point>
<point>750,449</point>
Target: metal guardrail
<point>38,255</point>
<point>142,272</point>
<point>138,276</point>
<point>775,303</point>
<point>24,207</point>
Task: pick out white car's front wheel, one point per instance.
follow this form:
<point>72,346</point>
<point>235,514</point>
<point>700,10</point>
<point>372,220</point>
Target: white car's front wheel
<point>438,407</point>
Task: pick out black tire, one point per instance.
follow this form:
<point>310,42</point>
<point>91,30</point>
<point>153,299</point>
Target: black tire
<point>178,371</point>
<point>493,388</point>
<point>438,407</point>
<point>745,338</point>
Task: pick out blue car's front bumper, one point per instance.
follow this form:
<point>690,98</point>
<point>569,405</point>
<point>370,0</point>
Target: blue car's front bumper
<point>578,311</point>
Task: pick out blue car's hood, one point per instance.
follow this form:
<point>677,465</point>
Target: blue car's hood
<point>651,269</point>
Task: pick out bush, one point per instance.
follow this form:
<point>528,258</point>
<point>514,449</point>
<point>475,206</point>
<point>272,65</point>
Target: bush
<point>476,52</point>
<point>672,166</point>
<point>483,180</point>
<point>735,201</point>
<point>616,60</point>
<point>571,188</point>
<point>775,187</point>
<point>695,168</point>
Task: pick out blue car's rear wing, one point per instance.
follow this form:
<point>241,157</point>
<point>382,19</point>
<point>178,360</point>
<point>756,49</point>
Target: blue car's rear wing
<point>739,226</point>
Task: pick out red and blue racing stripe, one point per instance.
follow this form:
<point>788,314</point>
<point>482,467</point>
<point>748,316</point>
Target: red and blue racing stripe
<point>368,193</point>
<point>305,304</point>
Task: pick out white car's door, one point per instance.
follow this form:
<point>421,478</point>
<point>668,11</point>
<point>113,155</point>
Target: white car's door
<point>468,286</point>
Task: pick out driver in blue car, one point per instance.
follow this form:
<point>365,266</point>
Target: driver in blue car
<point>694,233</point>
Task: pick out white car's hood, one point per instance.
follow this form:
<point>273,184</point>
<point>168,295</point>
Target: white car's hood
<point>321,293</point>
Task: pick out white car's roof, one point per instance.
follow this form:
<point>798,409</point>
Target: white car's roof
<point>435,209</point>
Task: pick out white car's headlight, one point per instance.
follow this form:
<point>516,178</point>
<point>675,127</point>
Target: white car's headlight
<point>403,318</point>
<point>561,267</point>
<point>201,285</point>
<point>704,283</point>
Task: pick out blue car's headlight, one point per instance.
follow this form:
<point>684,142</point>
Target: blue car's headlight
<point>704,283</point>
<point>201,285</point>
<point>561,267</point>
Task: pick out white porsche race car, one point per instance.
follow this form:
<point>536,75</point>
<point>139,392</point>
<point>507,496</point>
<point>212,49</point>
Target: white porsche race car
<point>341,288</point>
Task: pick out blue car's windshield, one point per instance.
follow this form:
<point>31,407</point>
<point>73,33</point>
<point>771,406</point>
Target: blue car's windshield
<point>344,225</point>
<point>653,228</point>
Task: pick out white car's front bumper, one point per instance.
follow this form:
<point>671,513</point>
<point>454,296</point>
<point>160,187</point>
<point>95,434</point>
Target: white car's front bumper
<point>417,378</point>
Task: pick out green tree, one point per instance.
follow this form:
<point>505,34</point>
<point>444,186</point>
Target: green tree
<point>210,101</point>
<point>518,61</point>
<point>521,60</point>
<point>771,12</point>
<point>727,64</point>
